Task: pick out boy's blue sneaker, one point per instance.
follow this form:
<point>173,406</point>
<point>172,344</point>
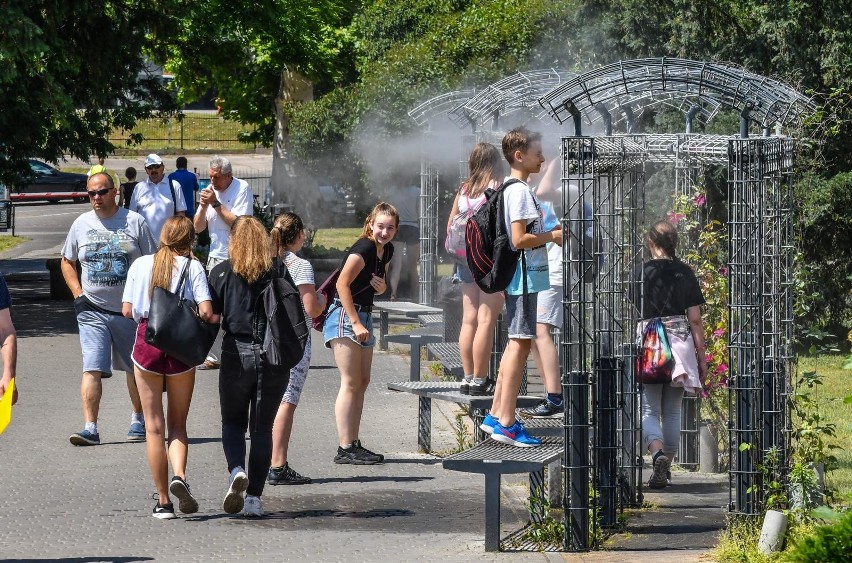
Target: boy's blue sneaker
<point>487,424</point>
<point>515,435</point>
<point>85,438</point>
<point>136,432</point>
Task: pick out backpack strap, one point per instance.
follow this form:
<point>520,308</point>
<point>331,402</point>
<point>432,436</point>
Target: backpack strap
<point>174,199</point>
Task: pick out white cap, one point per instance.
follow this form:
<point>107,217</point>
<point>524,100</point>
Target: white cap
<point>153,160</point>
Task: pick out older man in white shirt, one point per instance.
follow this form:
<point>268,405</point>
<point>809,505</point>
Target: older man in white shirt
<point>219,205</point>
<point>157,198</point>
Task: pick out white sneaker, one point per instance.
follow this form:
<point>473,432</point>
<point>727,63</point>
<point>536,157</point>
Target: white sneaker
<point>233,502</point>
<point>253,508</point>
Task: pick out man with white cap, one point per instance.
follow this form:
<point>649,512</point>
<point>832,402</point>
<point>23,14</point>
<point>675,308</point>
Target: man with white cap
<point>157,198</point>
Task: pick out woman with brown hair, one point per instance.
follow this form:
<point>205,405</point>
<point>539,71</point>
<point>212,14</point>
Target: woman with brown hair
<point>480,310</point>
<point>348,328</point>
<point>287,237</point>
<point>671,293</point>
<point>249,389</point>
<point>155,370</point>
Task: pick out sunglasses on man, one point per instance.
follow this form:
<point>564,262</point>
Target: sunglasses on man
<point>101,192</point>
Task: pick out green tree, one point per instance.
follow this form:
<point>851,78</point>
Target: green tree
<point>70,72</point>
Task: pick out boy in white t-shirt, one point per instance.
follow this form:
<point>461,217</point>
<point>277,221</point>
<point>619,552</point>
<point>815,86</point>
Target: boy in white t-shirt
<point>522,149</point>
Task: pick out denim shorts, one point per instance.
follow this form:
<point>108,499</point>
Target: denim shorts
<point>106,341</point>
<point>339,325</point>
<point>463,272</point>
<point>521,315</point>
<point>150,358</point>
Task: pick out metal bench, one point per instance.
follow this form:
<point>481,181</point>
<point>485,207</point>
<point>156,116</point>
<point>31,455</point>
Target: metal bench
<point>404,308</point>
<point>493,459</point>
<point>417,339</point>
<point>445,391</point>
<point>432,320</point>
<point>449,356</point>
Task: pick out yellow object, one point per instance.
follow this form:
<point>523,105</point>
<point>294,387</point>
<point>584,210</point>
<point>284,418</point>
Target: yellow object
<point>6,406</point>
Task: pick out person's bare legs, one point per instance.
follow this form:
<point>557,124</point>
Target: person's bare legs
<point>546,358</point>
<point>91,390</point>
<point>470,319</point>
<point>490,305</point>
<point>179,392</point>
<point>150,387</point>
<point>354,363</point>
<point>135,401</point>
<point>511,371</point>
<point>281,431</point>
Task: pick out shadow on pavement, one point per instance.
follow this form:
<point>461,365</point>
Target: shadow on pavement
<point>105,559</point>
<point>367,479</point>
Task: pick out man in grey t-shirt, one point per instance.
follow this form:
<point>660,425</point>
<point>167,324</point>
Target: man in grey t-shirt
<point>106,241</point>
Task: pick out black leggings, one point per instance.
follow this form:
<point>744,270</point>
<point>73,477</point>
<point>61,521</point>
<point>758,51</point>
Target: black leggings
<point>240,370</point>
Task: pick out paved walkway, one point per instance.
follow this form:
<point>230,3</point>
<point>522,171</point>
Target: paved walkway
<point>94,504</point>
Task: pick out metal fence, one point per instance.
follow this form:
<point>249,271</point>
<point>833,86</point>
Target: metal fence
<point>184,131</point>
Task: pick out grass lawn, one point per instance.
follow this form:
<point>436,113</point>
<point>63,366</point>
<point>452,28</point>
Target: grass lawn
<point>196,132</point>
<point>837,384</point>
<point>336,239</point>
<point>7,242</point>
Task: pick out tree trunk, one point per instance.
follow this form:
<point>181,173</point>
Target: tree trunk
<point>289,184</point>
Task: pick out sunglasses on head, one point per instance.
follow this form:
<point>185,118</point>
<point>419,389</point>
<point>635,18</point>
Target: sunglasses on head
<point>154,167</point>
<point>101,192</point>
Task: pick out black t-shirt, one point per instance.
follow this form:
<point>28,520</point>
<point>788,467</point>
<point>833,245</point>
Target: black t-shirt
<point>237,301</point>
<point>372,265</point>
<point>127,191</point>
<point>670,288</point>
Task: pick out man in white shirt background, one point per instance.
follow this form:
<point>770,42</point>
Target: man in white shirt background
<point>219,205</point>
<point>157,198</point>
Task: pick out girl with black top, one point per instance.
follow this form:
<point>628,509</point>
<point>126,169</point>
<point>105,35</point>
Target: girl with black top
<point>249,389</point>
<point>670,292</point>
<point>348,328</point>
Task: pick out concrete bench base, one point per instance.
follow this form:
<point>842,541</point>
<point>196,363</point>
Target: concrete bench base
<point>493,459</point>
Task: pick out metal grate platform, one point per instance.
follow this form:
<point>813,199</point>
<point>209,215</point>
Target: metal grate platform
<point>490,456</point>
<point>432,320</point>
<point>448,354</point>
<point>540,427</point>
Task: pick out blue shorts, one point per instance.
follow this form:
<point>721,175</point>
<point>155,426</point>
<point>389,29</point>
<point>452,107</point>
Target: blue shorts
<point>464,273</point>
<point>339,325</point>
<point>522,316</point>
<point>107,341</point>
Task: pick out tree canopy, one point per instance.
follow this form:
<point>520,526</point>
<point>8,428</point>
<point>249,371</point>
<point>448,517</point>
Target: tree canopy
<point>69,73</point>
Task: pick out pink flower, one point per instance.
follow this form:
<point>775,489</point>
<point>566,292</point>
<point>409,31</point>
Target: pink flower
<point>723,270</point>
<point>719,332</point>
<point>721,368</point>
<point>708,358</point>
<point>674,218</point>
<point>699,200</point>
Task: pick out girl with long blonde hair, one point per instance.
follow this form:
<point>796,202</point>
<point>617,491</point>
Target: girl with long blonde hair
<point>348,328</point>
<point>480,310</point>
<point>156,370</point>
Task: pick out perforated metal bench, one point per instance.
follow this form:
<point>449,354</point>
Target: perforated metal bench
<point>449,356</point>
<point>417,339</point>
<point>493,459</point>
<point>445,391</point>
<point>404,308</point>
<point>432,320</point>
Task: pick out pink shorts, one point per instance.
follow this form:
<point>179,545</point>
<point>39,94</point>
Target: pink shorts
<point>153,359</point>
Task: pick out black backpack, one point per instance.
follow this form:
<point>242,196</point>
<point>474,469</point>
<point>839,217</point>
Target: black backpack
<point>490,256</point>
<point>287,330</point>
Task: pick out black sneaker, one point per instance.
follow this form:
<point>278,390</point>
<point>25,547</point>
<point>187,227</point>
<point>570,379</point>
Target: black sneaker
<point>479,389</point>
<point>661,465</point>
<point>164,511</point>
<point>286,476</point>
<point>379,457</point>
<point>355,456</point>
<point>180,489</point>
<point>544,409</point>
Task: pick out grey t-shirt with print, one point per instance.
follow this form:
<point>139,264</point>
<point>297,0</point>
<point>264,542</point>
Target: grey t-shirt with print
<point>105,248</point>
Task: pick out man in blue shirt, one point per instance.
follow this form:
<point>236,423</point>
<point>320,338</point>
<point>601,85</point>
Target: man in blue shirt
<point>188,184</point>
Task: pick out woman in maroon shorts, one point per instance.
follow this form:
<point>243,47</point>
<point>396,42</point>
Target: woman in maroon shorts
<point>155,369</point>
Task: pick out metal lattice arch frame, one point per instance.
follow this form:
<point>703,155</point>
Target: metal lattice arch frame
<point>607,173</point>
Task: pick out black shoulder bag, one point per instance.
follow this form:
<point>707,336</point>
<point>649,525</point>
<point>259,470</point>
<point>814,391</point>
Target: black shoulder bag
<point>175,327</point>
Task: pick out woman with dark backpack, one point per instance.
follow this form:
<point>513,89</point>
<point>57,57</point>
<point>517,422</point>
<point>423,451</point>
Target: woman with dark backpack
<point>480,310</point>
<point>250,389</point>
<point>670,293</point>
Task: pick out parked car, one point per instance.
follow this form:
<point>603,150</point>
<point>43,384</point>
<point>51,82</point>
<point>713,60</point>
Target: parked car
<point>49,184</point>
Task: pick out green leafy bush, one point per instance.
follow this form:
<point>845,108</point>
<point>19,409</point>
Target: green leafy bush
<point>826,543</point>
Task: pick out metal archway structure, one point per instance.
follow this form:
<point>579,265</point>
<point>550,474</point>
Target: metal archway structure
<point>602,462</point>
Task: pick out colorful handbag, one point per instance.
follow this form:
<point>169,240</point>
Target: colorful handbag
<point>655,362</point>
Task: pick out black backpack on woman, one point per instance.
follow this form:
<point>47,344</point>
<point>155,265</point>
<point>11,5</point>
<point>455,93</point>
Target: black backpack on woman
<point>287,330</point>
